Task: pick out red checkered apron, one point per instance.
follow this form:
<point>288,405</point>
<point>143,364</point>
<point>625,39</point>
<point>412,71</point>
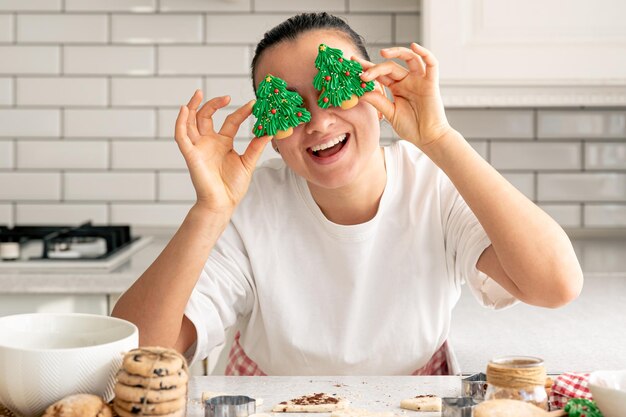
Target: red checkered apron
<point>567,386</point>
<point>240,364</point>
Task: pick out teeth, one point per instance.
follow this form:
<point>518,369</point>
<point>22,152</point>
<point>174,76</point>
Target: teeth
<point>329,144</point>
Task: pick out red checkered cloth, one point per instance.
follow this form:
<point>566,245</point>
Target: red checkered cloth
<point>240,364</point>
<point>569,385</point>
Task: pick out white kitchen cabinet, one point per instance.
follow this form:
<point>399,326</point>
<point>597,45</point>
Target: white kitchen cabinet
<point>528,53</point>
<point>52,303</point>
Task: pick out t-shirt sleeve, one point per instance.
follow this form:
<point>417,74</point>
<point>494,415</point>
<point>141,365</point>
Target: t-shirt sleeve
<point>465,241</point>
<point>224,292</point>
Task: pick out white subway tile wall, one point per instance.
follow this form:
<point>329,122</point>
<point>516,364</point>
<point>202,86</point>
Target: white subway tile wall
<point>6,91</point>
<point>110,5</point>
<point>219,28</point>
<point>6,28</point>
<point>107,186</point>
<point>30,122</point>
<point>6,214</point>
<point>605,215</point>
<point>22,60</point>
<point>146,154</point>
<point>63,155</point>
<point>205,6</point>
<point>30,5</point>
<point>6,154</point>
<point>61,213</point>
<point>158,91</point>
<point>333,6</point>
<point>524,182</point>
<point>375,28</point>
<point>407,28</point>
<point>90,90</point>
<point>568,215</point>
<point>62,91</point>
<point>204,60</point>
<point>155,28</point>
<point>109,60</point>
<point>175,186</point>
<point>30,186</point>
<point>160,214</point>
<point>536,156</point>
<point>397,6</point>
<point>62,28</point>
<point>105,122</point>
<point>605,156</point>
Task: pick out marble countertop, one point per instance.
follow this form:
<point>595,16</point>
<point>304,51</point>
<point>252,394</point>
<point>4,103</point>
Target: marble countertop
<point>79,281</point>
<point>373,393</point>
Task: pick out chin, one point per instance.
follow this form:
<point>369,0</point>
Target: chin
<point>335,181</point>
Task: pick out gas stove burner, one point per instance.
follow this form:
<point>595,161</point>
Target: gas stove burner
<point>77,247</point>
<point>71,242</point>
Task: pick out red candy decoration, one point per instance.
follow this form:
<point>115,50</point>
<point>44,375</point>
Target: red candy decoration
<point>299,114</point>
<point>259,127</point>
<point>340,59</point>
<point>325,99</point>
<point>327,78</point>
<point>276,90</point>
<point>348,73</point>
<point>362,85</point>
<point>273,111</point>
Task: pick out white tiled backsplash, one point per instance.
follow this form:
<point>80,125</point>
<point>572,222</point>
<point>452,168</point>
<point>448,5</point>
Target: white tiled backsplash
<point>90,89</point>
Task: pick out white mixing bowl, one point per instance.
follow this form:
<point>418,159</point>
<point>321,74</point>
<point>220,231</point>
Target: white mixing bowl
<point>45,357</point>
<point>609,391</point>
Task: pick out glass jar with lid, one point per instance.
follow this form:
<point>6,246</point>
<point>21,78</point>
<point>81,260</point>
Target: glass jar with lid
<point>518,378</point>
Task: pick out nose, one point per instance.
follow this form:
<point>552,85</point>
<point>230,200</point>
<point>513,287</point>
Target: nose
<point>321,119</point>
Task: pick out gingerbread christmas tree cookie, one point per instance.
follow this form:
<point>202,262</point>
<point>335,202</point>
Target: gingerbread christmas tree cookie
<point>277,109</point>
<point>338,79</point>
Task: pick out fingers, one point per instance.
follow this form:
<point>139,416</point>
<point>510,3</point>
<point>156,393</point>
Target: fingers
<point>194,102</point>
<point>393,70</point>
<point>367,65</point>
<point>180,130</point>
<point>432,65</point>
<point>413,60</point>
<point>381,103</point>
<point>206,112</point>
<point>254,150</point>
<point>234,120</point>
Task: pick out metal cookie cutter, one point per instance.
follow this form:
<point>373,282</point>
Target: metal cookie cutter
<point>457,407</point>
<point>229,406</point>
<point>475,386</point>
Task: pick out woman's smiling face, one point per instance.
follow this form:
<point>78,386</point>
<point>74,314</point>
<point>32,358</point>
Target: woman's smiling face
<point>357,130</point>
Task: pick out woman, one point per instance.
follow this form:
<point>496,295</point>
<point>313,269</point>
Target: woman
<point>345,260</point>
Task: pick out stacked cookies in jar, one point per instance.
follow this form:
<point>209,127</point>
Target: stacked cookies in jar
<point>152,382</point>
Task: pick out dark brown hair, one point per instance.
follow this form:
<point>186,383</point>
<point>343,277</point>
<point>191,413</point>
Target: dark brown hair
<point>295,26</point>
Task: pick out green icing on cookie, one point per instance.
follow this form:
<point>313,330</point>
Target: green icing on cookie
<point>580,407</point>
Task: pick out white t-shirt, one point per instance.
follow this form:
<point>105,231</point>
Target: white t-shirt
<point>318,298</point>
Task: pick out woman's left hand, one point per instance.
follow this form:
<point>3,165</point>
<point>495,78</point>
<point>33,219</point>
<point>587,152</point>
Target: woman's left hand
<point>417,112</point>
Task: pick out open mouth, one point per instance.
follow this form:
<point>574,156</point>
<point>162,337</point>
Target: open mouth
<point>330,148</point>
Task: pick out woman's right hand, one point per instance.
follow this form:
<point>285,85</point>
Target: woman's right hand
<point>219,174</point>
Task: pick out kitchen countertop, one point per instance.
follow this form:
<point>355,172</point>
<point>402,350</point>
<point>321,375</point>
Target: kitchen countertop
<point>373,393</point>
<point>75,281</point>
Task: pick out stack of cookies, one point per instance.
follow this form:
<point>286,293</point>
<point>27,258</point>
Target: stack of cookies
<point>152,382</point>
